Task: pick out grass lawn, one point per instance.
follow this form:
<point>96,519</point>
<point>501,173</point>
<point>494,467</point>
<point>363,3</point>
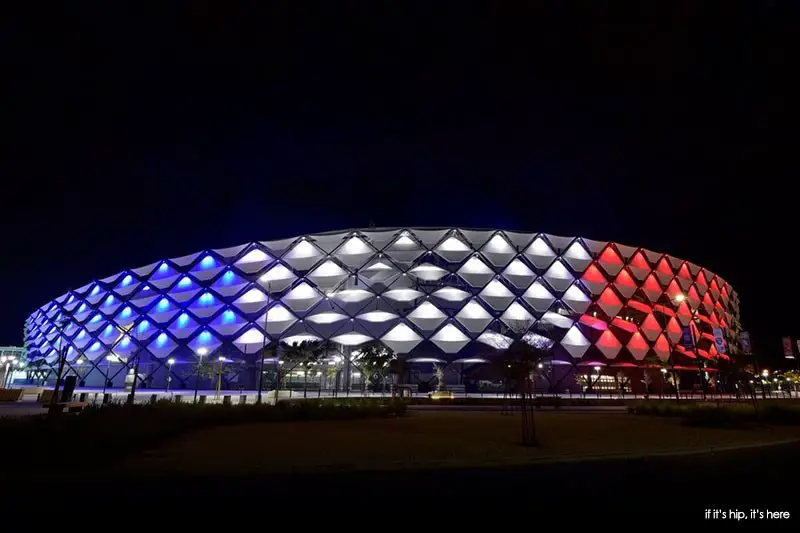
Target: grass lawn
<point>429,439</point>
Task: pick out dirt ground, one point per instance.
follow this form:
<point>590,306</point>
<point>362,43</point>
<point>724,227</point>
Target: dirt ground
<point>431,440</point>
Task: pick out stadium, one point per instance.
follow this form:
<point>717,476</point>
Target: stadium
<point>445,301</point>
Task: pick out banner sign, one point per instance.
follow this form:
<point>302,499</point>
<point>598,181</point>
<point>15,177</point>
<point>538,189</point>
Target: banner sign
<point>788,350</point>
<point>719,341</point>
<point>686,339</point>
<point>745,340</point>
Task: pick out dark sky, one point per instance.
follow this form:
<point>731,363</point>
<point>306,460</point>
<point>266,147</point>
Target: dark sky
<point>134,135</point>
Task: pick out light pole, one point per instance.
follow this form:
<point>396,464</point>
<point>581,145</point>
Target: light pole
<point>170,362</point>
<point>54,408</point>
<point>132,397</point>
<point>764,381</point>
<point>200,352</point>
<point>219,376</point>
<point>264,348</point>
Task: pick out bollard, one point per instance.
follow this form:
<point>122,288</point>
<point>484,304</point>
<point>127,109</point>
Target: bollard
<point>202,400</point>
<point>153,398</point>
<point>178,398</point>
<point>106,399</point>
<point>226,400</point>
<point>243,399</point>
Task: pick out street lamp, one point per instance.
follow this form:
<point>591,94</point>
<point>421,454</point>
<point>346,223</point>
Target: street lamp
<point>221,360</point>
<point>201,352</point>
<point>170,362</point>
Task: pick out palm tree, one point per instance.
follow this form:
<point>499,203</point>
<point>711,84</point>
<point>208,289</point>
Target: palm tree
<point>375,359</point>
<point>305,354</point>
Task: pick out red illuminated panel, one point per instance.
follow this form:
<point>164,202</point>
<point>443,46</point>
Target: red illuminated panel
<point>707,303</point>
<point>624,324</point>
<point>651,327</point>
<point>693,298</point>
<point>714,320</point>
<point>702,283</point>
<point>661,347</point>
<point>707,336</point>
<point>703,354</point>
<point>625,284</point>
<point>718,307</point>
<point>684,314</point>
<point>638,346</point>
<point>673,290</point>
<point>714,288</point>
<point>651,288</point>
<point>688,353</point>
<point>674,330</point>
<point>593,279</point>
<point>663,270</point>
<point>664,310</point>
<point>684,272</point>
<point>609,302</point>
<point>712,351</point>
<point>640,306</point>
<point>608,344</point>
<point>610,261</point>
<point>639,266</point>
<point>593,322</point>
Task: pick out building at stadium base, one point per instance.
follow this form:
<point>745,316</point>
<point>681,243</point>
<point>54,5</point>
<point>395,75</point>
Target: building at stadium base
<point>435,296</point>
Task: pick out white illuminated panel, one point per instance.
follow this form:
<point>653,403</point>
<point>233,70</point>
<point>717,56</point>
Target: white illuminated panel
<point>538,297</point>
<point>253,261</point>
<point>301,298</point>
<point>517,317</point>
<point>401,338</point>
<point>327,275</point>
<point>428,272</point>
<point>496,295</point>
<point>278,320</point>
<point>351,339</point>
<point>251,340</point>
<point>402,295</point>
<point>558,276</point>
<point>451,294</point>
<point>558,320</point>
<point>453,249</point>
<point>474,317</point>
<point>303,255</point>
<point>539,253</point>
<point>518,274</point>
<point>354,252</point>
<point>450,339</point>
<point>427,316</point>
<point>277,278</point>
<point>498,251</point>
<point>575,343</point>
<point>576,299</point>
<point>377,316</point>
<point>353,295</point>
<point>475,272</point>
<point>326,318</point>
<point>252,301</point>
<point>577,257</point>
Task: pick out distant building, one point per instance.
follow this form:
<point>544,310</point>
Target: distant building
<point>433,295</point>
<point>12,364</point>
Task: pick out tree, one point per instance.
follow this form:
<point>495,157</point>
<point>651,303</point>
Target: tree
<point>304,354</point>
<point>518,363</point>
<point>375,360</point>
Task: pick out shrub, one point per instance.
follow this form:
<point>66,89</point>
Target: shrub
<point>113,431</point>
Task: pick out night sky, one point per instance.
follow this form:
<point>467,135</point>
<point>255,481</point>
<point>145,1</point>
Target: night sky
<point>134,135</point>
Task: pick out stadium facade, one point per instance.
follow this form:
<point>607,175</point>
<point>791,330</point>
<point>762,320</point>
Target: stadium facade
<point>433,295</point>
